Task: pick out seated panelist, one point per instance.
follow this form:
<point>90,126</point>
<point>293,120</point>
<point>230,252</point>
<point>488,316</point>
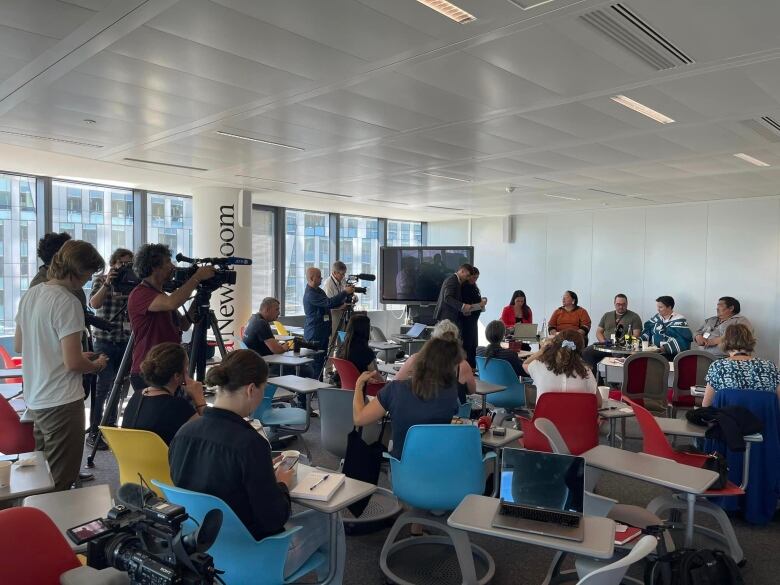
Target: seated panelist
<point>667,329</point>
<point>710,334</point>
<point>569,316</point>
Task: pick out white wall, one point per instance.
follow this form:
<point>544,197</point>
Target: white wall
<point>695,252</point>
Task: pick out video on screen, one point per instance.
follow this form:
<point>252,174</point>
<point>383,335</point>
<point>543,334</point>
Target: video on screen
<point>414,275</point>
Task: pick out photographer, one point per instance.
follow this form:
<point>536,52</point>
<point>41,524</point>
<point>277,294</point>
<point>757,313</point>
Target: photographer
<point>108,303</point>
<point>154,315</point>
<point>333,286</point>
<point>317,307</point>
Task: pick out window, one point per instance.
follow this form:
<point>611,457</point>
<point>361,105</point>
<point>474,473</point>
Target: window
<point>404,233</point>
<point>169,222</point>
<point>18,242</point>
<point>103,228</point>
<point>359,250</point>
<point>306,244</point>
<point>263,265</point>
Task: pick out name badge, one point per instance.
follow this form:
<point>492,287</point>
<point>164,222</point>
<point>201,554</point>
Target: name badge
<point>326,318</point>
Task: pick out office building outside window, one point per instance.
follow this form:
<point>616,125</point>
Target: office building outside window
<point>169,222</point>
<point>307,244</point>
<point>263,265</point>
<point>18,242</point>
<point>404,233</point>
<point>359,250</point>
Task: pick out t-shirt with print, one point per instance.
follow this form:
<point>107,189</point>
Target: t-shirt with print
<point>150,328</point>
<point>47,314</point>
<point>752,374</point>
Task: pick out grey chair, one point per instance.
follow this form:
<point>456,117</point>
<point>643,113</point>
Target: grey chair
<point>646,380</point>
<point>614,573</point>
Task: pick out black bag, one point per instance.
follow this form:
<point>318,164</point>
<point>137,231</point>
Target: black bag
<point>363,462</point>
<point>693,567</point>
<point>717,463</point>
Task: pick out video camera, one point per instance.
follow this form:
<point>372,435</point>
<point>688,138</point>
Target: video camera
<point>352,280</point>
<point>224,274</point>
<point>143,537</point>
<point>126,279</point>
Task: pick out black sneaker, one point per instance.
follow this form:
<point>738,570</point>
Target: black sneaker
<point>101,444</point>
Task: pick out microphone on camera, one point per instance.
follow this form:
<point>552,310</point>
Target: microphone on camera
<point>134,496</point>
<point>229,261</point>
<point>369,277</point>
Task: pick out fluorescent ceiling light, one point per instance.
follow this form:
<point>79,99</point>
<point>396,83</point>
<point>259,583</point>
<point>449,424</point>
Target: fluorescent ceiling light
<point>162,164</point>
<point>528,4</point>
<point>562,197</point>
<point>264,179</point>
<point>446,177</point>
<point>449,10</point>
<point>751,160</point>
<point>250,139</point>
<point>642,109</point>
<point>324,193</point>
<point>98,182</point>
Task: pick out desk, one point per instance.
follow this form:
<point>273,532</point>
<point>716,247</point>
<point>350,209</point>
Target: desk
<point>305,386</point>
<point>28,480</point>
<point>691,481</point>
<point>485,388</point>
<point>612,411</point>
<point>349,493</point>
<point>623,351</point>
<point>282,359</point>
<point>73,507</point>
<point>682,428</point>
<point>302,352</point>
<point>293,330</point>
<point>10,390</point>
<point>389,369</point>
<point>475,514</point>
<point>10,373</point>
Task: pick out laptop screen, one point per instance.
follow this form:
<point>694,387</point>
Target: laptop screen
<point>416,329</point>
<point>543,480</point>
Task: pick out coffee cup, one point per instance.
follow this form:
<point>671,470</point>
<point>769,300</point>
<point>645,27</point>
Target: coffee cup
<point>291,453</point>
<point>5,473</point>
<point>604,391</point>
<point>645,345</point>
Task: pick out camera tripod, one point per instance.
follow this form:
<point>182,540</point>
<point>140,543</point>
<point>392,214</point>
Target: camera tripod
<point>346,315</point>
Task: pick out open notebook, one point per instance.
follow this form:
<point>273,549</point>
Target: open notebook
<point>318,485</point>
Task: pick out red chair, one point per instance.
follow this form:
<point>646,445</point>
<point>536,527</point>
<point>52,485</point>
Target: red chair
<point>690,369</point>
<point>34,550</point>
<point>349,374</point>
<point>646,380</point>
<point>15,436</point>
<point>575,415</point>
<point>10,363</point>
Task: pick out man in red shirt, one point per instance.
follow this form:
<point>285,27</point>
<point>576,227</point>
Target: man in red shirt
<point>154,315</point>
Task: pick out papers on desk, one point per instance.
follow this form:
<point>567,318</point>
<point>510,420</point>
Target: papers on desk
<point>318,486</point>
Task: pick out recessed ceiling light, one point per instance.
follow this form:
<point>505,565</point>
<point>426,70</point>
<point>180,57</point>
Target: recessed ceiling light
<point>446,177</point>
<point>751,160</point>
<point>250,139</point>
<point>49,139</point>
<point>562,197</point>
<point>642,109</point>
<point>449,10</point>
<point>264,179</point>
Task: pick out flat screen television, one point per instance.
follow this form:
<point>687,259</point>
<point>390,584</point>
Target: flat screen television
<point>413,275</point>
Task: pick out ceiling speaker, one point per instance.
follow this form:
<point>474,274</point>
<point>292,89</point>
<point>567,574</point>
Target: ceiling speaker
<point>245,208</point>
<point>508,229</point>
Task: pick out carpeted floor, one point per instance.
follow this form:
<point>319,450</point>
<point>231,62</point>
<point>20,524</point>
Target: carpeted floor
<point>518,564</point>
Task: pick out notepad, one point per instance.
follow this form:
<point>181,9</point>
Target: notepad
<point>326,485</point>
<point>624,534</point>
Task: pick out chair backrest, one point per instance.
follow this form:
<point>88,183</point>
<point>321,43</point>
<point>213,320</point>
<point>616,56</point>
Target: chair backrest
<point>336,421</point>
<point>574,414</point>
<point>137,452</point>
<point>280,329</point>
<point>690,369</point>
<point>440,465</point>
<point>244,559</point>
<point>8,362</point>
<point>550,431</point>
<point>347,371</point>
<point>613,573</point>
<point>266,402</point>
<point>377,334</point>
<point>654,441</point>
<point>646,379</point>
<point>33,549</point>
<point>342,336</point>
<point>15,436</point>
<point>497,371</point>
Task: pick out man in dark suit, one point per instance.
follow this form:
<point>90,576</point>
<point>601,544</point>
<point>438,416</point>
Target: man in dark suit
<point>450,306</point>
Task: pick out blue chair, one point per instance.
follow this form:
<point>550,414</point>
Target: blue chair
<point>500,372</point>
<point>284,418</point>
<point>244,559</point>
<point>440,465</point>
<point>342,336</point>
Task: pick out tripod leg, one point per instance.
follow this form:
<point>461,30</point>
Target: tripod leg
<point>112,402</point>
<point>198,351</point>
<point>217,333</point>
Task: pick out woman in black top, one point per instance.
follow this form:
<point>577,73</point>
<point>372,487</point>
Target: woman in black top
<point>471,295</point>
<point>355,348</point>
<point>495,332</point>
<point>223,455</point>
<point>156,408</point>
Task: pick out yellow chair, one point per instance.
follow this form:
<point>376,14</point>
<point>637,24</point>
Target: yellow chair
<point>137,452</point>
<point>281,329</point>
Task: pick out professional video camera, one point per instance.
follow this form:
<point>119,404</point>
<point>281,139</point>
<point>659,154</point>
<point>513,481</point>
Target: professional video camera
<point>352,280</point>
<point>223,276</point>
<point>299,342</point>
<point>126,279</point>
<point>143,537</point>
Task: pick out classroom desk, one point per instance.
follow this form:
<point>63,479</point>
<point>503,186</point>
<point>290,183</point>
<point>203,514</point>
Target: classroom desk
<point>612,411</point>
<point>389,369</point>
<point>691,481</point>
<point>10,390</point>
<point>73,507</point>
<point>475,514</point>
<point>28,480</point>
<point>282,359</point>
<point>349,493</point>
<point>683,428</point>
<point>485,388</point>
<point>305,386</point>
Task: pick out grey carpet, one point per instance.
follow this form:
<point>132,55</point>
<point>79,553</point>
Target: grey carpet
<point>518,564</point>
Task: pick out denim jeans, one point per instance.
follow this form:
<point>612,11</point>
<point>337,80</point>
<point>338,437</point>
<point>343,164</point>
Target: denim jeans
<point>105,381</point>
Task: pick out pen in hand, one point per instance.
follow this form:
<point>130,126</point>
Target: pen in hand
<point>324,477</point>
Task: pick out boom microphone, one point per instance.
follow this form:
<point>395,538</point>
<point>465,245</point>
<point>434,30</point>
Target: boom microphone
<point>229,261</point>
<point>369,277</point>
<point>182,258</point>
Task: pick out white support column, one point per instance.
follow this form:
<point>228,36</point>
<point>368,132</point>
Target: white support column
<point>216,233</point>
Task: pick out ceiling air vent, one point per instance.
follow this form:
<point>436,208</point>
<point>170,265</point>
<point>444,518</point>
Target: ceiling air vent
<point>325,193</point>
<point>528,4</point>
<point>49,139</point>
<point>765,127</point>
<point>162,164</point>
<point>447,208</point>
<point>634,34</point>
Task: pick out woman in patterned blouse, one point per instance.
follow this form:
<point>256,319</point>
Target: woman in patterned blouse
<point>740,370</point>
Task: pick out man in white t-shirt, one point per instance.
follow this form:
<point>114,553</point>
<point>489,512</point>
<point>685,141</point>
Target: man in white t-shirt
<point>49,325</point>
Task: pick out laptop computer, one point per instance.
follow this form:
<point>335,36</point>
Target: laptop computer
<point>414,332</point>
<point>526,330</point>
<point>542,493</point>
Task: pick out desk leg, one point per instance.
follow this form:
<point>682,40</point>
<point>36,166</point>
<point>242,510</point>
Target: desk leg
<point>690,517</point>
<point>298,370</point>
<point>612,431</point>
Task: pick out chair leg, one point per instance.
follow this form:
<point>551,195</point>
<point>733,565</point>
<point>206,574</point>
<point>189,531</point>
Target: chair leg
<point>462,545</point>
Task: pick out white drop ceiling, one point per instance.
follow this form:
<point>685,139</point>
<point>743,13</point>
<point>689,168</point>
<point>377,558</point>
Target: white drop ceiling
<point>393,103</point>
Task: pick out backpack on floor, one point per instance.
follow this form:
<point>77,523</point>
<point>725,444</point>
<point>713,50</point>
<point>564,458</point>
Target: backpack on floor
<point>693,567</point>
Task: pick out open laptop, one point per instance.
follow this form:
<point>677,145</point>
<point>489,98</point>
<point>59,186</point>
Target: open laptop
<point>526,331</point>
<point>414,332</point>
<point>542,493</point>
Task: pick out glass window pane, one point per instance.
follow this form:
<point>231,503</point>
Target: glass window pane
<point>359,250</point>
<point>18,242</point>
<point>169,222</point>
<point>404,233</point>
<point>263,266</point>
<point>306,244</point>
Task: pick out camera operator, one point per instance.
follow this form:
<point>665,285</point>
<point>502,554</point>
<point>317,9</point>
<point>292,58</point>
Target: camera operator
<point>317,307</point>
<point>154,315</point>
<point>334,285</point>
<point>108,303</point>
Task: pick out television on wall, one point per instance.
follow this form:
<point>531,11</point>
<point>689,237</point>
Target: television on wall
<point>413,275</point>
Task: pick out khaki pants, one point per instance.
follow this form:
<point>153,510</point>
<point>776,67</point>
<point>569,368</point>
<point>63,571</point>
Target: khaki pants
<point>59,433</point>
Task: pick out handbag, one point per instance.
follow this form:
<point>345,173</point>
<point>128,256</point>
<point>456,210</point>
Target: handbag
<point>363,462</point>
<point>717,463</point>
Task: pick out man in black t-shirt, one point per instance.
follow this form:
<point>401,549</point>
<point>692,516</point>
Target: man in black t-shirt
<point>258,335</point>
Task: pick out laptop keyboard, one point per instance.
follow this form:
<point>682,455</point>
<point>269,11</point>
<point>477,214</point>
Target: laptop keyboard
<point>568,520</point>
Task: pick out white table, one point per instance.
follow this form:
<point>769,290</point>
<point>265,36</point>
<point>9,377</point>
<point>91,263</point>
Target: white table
<point>282,359</point>
<point>10,390</point>
<point>350,492</point>
<point>305,386</point>
<point>10,373</point>
<point>73,507</point>
<point>293,330</point>
<point>389,369</point>
<point>475,514</point>
<point>612,411</point>
<point>681,427</point>
<point>485,388</point>
<point>30,479</point>
<point>691,481</point>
